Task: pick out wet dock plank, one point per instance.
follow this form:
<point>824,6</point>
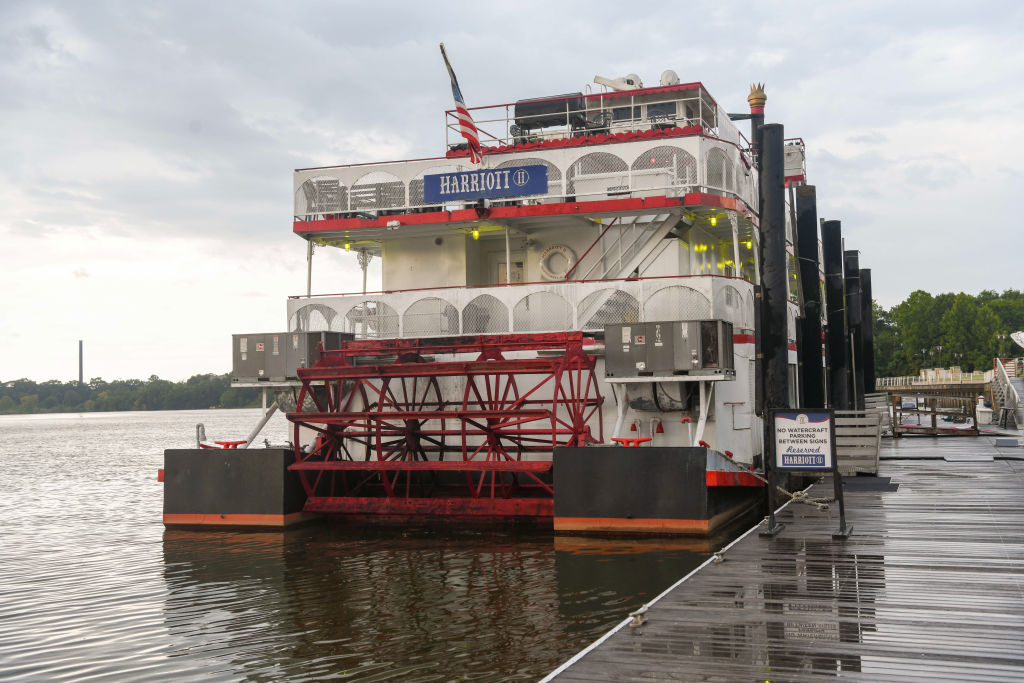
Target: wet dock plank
<point>930,585</point>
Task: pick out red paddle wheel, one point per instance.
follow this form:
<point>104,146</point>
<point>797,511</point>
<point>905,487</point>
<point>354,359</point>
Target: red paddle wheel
<point>444,427</point>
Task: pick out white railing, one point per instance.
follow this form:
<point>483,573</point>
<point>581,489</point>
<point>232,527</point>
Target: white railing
<point>1009,399</point>
<point>532,307</point>
<point>904,381</point>
<point>579,115</point>
<point>671,167</point>
<point>936,376</point>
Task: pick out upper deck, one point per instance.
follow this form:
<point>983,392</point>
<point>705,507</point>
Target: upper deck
<point>626,185</point>
<point>668,141</point>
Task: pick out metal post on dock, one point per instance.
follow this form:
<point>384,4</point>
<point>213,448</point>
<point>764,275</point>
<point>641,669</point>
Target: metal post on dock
<point>812,370</point>
<point>836,337</point>
<point>775,293</point>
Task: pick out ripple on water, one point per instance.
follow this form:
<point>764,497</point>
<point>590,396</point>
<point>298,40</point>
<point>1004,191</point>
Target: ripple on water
<point>92,586</point>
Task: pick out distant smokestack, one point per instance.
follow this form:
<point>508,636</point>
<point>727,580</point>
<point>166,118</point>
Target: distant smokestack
<point>80,382</point>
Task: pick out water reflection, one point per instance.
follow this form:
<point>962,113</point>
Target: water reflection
<point>825,593</point>
<point>417,603</point>
<point>785,607</point>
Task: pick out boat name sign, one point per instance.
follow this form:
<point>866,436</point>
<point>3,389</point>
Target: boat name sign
<point>514,181</point>
<point>803,440</point>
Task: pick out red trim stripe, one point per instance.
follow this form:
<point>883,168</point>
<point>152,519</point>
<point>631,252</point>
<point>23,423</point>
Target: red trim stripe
<point>719,478</point>
<point>528,211</point>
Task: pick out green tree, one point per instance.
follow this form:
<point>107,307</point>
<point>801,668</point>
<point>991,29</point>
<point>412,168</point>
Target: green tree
<point>888,359</point>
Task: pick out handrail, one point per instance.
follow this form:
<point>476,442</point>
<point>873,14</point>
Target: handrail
<point>569,272</point>
<point>1010,398</point>
<point>519,284</point>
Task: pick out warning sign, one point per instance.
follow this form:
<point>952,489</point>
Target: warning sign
<point>803,440</point>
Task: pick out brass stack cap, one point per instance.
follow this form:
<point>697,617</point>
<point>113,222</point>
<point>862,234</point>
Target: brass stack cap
<point>757,96</point>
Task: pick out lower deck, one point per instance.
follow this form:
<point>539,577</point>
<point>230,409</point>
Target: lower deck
<point>929,585</point>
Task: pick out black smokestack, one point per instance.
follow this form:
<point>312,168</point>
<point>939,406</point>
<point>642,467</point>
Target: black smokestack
<point>756,99</point>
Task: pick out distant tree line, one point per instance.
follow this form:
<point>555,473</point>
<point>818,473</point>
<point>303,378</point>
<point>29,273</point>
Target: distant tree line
<point>926,331</point>
<point>198,391</point>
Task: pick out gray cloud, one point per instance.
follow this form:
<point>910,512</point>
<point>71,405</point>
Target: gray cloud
<point>184,120</point>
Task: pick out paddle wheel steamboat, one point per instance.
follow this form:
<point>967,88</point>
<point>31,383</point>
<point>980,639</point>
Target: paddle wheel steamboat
<point>562,329</point>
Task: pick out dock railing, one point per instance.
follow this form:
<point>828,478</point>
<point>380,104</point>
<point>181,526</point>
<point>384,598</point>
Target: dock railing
<point>858,441</point>
<point>1006,395</point>
<point>934,415</point>
<point>933,376</point>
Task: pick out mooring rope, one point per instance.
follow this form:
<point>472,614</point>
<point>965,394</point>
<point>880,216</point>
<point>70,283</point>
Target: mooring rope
<point>795,496</point>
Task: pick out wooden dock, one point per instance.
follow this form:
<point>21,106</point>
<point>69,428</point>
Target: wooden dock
<point>929,586</point>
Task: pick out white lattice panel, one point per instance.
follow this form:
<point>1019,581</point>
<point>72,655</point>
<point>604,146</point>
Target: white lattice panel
<point>565,306</point>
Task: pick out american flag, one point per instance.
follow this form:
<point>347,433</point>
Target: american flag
<point>466,124</point>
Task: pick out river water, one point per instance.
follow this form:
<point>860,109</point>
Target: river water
<point>93,587</point>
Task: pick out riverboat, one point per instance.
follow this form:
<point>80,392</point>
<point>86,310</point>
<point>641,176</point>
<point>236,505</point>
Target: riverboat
<point>565,329</point>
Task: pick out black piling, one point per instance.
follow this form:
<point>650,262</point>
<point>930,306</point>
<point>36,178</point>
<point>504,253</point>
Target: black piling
<point>854,318</point>
<point>774,342</point>
<point>867,330</point>
<point>836,343</point>
<point>774,285</point>
<point>812,370</point>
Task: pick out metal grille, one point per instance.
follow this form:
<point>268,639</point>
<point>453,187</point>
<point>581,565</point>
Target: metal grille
<point>373,319</point>
<point>715,165</point>
<point>680,161</point>
<point>541,311</point>
<point>321,195</point>
<point>484,315</point>
<point>594,163</point>
<point>416,184</point>
<point>743,182</point>
<point>727,305</point>
<point>315,318</point>
<point>378,190</point>
<point>554,173</point>
<point>430,316</point>
<point>608,307</point>
<point>677,302</point>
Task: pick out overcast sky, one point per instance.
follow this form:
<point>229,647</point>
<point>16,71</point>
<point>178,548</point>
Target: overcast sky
<point>147,149</point>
